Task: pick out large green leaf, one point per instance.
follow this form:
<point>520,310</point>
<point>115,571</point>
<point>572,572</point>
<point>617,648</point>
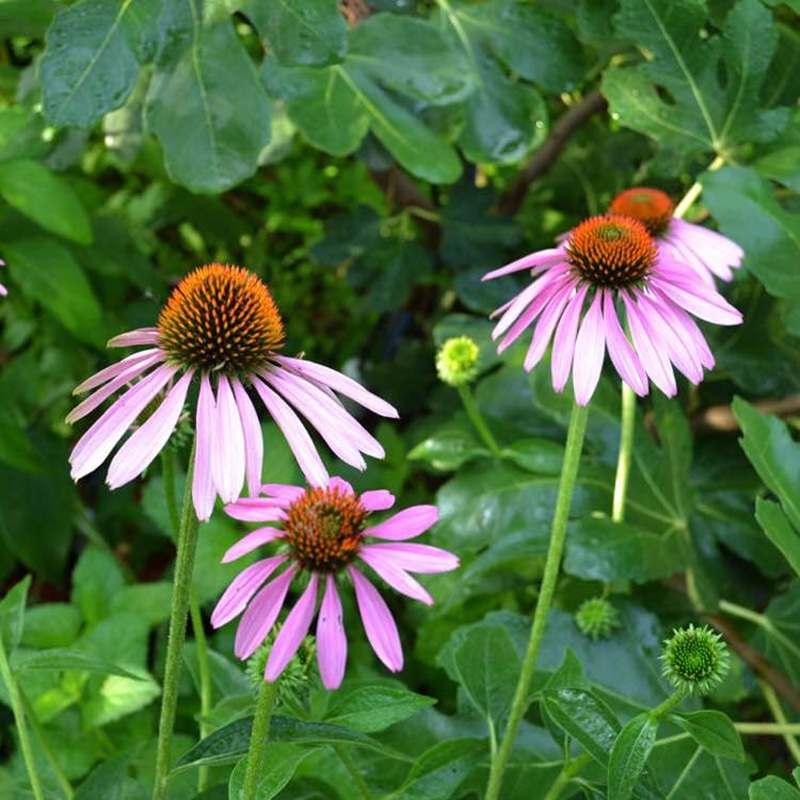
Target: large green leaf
<point>778,636</point>
<point>679,95</point>
<point>374,708</point>
<point>58,659</point>
<point>280,761</point>
<point>438,772</point>
<point>12,614</point>
<point>713,731</point>
<point>206,104</point>
<point>629,756</point>
<point>93,56</point>
<point>15,447</point>
<point>773,788</point>
<point>745,206</point>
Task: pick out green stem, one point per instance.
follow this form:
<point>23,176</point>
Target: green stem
<point>694,192</point>
<point>627,425</point>
<point>661,710</point>
<point>62,779</point>
<point>353,770</point>
<point>181,592</point>
<point>18,710</point>
<point>204,672</point>
<point>476,418</point>
<point>570,770</point>
<point>168,472</point>
<point>775,708</point>
<point>768,728</point>
<point>258,739</point>
<point>558,534</point>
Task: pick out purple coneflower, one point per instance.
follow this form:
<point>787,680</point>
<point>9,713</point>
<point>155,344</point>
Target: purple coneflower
<point>221,325</point>
<point>3,290</point>
<point>611,264</point>
<point>323,531</point>
<point>708,253</point>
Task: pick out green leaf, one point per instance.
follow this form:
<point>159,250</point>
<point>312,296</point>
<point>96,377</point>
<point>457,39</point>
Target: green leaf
<point>16,449</point>
<point>485,663</point>
<point>678,95</point>
<point>299,31</point>
<point>713,731</point>
<point>773,788</point>
<point>778,637</point>
<point>51,625</point>
<point>96,581</point>
<point>151,601</point>
<point>629,756</point>
<point>447,449</point>
<point>107,781</point>
<point>46,198</point>
<point>206,104</point>
<point>49,274</point>
<point>373,708</point>
<point>118,697</point>
<point>602,550</point>
<point>439,771</point>
<point>58,659</point>
<point>776,525</point>
<point>745,206</point>
<point>279,765</point>
<point>12,614</point>
<point>93,55</point>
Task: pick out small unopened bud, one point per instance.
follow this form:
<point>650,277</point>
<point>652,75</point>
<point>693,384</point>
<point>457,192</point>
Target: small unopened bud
<point>695,660</point>
<point>457,361</point>
<point>597,618</point>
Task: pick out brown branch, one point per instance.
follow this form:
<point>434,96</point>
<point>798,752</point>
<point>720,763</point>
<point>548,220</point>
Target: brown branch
<point>354,11</point>
<point>757,662</point>
<point>544,158</point>
<point>720,419</point>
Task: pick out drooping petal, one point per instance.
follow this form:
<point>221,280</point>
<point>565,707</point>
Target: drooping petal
<point>236,597</point>
<point>254,509</point>
<point>405,524</point>
<point>655,363</point>
<point>250,542</point>
<point>396,577</point>
<point>714,251</point>
<point>227,462</point>
<point>344,487</point>
<point>325,376</point>
<point>545,326</point>
<point>146,443</point>
<point>687,327</point>
<point>261,613</point>
<point>113,370</point>
<point>253,441</point>
<point>377,500</point>
<point>203,492</point>
<point>415,557</point>
<point>139,336</point>
<point>564,340</point>
<point>292,632</point>
<point>331,638</point>
<point>700,301</point>
<point>543,258</point>
<point>622,355</point>
<point>378,622</point>
<point>296,435</point>
<point>283,492</point>
<point>95,445</point>
<point>590,347</point>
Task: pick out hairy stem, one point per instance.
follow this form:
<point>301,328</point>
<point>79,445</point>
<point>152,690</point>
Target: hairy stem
<point>558,535</point>
<point>204,674</point>
<point>258,739</point>
<point>476,418</point>
<point>569,771</point>
<point>627,424</point>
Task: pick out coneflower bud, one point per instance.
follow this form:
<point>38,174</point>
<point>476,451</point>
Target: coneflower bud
<point>597,618</point>
<point>695,660</point>
<point>294,682</point>
<point>457,361</point>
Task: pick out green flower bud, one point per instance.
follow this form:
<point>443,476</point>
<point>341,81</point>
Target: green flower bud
<point>295,679</point>
<point>695,660</point>
<point>457,361</point>
<point>597,618</point>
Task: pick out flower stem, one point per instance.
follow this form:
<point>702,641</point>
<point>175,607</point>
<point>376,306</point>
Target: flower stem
<point>181,591</point>
<point>353,770</point>
<point>768,728</point>
<point>476,418</point>
<point>627,425</point>
<point>558,534</point>
<point>62,779</point>
<point>661,710</point>
<point>168,473</point>
<point>258,739</point>
<point>204,674</point>
<point>694,192</point>
<point>775,708</point>
<point>17,707</point>
<point>569,771</point>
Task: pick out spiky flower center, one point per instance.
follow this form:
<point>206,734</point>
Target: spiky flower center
<point>695,659</point>
<point>611,251</point>
<point>323,529</point>
<point>652,207</point>
<point>457,361</point>
<point>221,318</point>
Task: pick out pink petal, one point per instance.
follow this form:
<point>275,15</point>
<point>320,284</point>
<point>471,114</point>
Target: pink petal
<point>415,557</point>
<point>545,326</point>
<point>378,622</point>
<point>203,492</point>
<point>246,510</point>
<point>146,442</point>
<point>687,328</point>
<point>283,492</point>
<point>242,588</point>
<point>111,371</point>
<point>227,461</point>
<point>397,578</point>
<point>564,340</point>
<point>95,445</point>
<point>655,363</point>
<point>260,616</point>
<point>296,435</point>
<point>623,356</point>
<point>292,632</point>
<point>589,351</point>
<point>341,484</point>
<point>3,290</point>
<point>250,542</point>
<point>341,383</point>
<point>700,301</point>
<point>139,336</point>
<point>377,500</point>
<point>253,441</point>
<point>405,524</point>
<point>540,259</point>
<point>331,638</point>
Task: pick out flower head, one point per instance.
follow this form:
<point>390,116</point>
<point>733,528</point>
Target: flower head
<point>597,618</point>
<point>695,660</point>
<point>222,326</point>
<point>323,533</point>
<point>708,253</point>
<point>3,290</point>
<point>457,361</point>
<point>611,264</point>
